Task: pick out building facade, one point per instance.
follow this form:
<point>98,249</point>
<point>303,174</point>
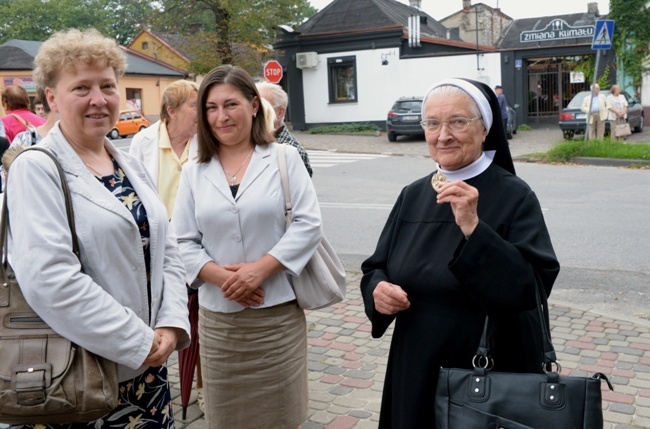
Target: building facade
<point>352,60</point>
<point>140,87</point>
<point>478,23</point>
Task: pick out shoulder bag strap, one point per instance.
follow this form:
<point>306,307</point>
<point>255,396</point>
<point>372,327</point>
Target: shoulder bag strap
<point>284,176</point>
<point>541,301</point>
<point>4,223</point>
<point>28,127</point>
<point>25,123</point>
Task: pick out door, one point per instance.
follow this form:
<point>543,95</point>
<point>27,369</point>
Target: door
<point>550,87</point>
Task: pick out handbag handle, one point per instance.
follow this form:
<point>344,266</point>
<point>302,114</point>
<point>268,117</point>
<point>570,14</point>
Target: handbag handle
<point>284,177</point>
<point>4,223</point>
<point>550,357</point>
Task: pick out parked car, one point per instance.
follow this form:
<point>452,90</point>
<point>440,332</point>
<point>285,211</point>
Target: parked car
<point>404,118</point>
<point>511,126</point>
<point>573,120</point>
<point>129,122</point>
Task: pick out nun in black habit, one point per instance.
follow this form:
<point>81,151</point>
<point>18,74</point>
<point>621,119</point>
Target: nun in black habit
<point>475,245</point>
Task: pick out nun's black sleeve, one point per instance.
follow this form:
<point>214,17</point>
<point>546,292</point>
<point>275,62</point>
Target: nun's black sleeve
<point>501,265</point>
<point>375,271</point>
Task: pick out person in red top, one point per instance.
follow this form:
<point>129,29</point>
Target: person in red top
<point>15,101</point>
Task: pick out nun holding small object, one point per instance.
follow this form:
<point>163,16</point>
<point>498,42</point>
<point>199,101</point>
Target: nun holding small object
<point>466,241</point>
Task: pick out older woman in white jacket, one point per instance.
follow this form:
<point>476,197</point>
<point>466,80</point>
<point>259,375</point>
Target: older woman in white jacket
<point>124,298</point>
<point>168,144</point>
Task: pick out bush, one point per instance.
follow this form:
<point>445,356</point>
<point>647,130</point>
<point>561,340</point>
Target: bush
<point>362,127</point>
<point>524,127</point>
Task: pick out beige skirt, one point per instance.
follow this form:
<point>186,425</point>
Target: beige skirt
<point>254,366</point>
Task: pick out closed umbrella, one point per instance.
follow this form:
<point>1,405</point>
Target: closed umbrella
<point>188,356</point>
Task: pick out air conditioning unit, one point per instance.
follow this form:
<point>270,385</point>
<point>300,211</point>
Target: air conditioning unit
<point>306,60</point>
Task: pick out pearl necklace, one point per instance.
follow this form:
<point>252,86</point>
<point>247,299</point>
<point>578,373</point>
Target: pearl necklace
<point>233,177</point>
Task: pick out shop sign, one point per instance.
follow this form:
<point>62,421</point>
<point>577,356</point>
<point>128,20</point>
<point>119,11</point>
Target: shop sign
<point>577,77</point>
<point>558,29</point>
<point>25,82</point>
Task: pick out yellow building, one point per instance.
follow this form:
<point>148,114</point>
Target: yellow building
<point>140,87</point>
<point>161,47</point>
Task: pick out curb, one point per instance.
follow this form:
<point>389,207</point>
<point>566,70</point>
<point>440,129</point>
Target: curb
<point>609,162</point>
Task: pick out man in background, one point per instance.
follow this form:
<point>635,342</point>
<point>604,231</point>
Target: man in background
<point>275,95</point>
<point>39,109</point>
<point>503,105</point>
<point>598,107</point>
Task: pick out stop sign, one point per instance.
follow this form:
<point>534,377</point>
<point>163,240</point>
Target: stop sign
<point>273,71</point>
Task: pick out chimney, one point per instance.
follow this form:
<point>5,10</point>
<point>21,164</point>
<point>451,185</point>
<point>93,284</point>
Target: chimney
<point>592,8</point>
<point>415,3</point>
<point>466,4</point>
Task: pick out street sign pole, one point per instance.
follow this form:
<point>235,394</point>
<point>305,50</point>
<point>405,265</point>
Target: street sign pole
<point>603,37</point>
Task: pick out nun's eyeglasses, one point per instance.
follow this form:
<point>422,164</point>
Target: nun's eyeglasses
<point>457,125</point>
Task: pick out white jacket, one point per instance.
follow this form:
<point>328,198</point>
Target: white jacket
<point>102,303</point>
<point>144,147</point>
<point>213,226</point>
<point>602,107</point>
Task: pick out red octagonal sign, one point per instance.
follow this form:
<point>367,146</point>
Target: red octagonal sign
<point>273,71</point>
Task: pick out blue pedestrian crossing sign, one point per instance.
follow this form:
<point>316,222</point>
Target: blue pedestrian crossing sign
<point>603,34</point>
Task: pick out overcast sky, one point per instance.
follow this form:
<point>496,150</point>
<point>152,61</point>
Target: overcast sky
<point>516,9</point>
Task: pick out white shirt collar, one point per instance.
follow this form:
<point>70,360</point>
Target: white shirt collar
<point>474,169</point>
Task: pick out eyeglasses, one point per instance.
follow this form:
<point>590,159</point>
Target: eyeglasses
<point>457,125</point>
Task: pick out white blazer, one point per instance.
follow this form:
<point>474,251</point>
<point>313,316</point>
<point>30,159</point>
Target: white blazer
<point>211,225</point>
<point>144,147</point>
<point>102,303</point>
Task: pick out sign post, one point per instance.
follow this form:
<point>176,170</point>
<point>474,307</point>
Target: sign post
<point>273,71</point>
<point>603,36</point>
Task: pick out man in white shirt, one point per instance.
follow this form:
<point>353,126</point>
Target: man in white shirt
<point>598,106</point>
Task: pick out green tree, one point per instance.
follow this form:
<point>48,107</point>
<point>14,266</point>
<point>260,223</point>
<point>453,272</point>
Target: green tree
<point>632,35</point>
<point>123,19</point>
<point>39,19</point>
<point>220,27</point>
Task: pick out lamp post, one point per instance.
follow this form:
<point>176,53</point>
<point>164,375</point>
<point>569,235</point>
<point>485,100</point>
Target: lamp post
<point>476,12</point>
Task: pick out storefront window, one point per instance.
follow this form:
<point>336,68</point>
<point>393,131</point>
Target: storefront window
<point>342,73</point>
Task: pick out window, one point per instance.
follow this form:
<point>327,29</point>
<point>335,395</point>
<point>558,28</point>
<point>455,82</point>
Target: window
<point>125,116</point>
<point>145,46</point>
<point>342,74</point>
<point>136,115</point>
<point>134,99</point>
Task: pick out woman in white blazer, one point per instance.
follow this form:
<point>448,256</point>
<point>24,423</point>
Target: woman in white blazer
<point>125,298</point>
<point>229,218</point>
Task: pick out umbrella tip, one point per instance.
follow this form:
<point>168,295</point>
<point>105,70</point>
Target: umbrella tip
<point>184,413</point>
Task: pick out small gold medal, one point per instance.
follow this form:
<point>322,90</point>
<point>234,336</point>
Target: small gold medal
<point>437,180</point>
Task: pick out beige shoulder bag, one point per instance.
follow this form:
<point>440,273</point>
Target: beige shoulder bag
<point>44,378</point>
<point>322,282</point>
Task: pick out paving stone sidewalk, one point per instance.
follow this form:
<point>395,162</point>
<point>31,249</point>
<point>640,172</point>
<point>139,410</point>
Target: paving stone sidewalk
<point>347,366</point>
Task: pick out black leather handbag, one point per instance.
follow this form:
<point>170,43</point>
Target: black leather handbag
<point>482,399</point>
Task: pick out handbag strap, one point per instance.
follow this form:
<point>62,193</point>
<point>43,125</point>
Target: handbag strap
<point>284,177</point>
<point>4,223</point>
<point>28,125</point>
<point>541,301</point>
